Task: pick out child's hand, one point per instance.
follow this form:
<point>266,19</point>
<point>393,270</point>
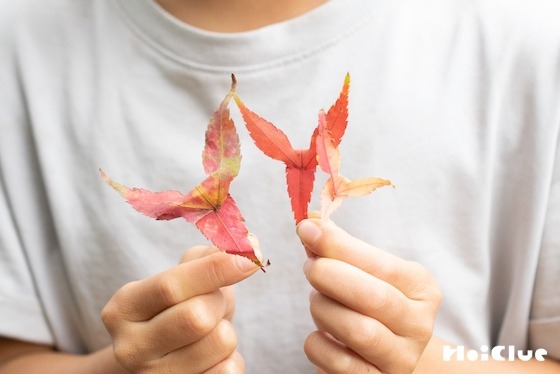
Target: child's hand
<point>179,320</point>
<point>374,311</point>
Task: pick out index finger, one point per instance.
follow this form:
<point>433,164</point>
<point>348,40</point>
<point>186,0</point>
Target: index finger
<point>325,239</point>
<point>141,300</point>
<point>199,251</point>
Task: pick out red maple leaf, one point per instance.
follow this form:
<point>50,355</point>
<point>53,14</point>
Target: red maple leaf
<point>209,205</point>
<point>300,163</point>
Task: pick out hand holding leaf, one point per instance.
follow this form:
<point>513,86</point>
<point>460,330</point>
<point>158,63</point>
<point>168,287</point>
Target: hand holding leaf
<point>209,205</point>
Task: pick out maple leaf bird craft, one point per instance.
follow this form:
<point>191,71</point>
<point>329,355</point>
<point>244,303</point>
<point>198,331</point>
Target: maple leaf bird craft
<point>302,163</point>
<point>209,205</point>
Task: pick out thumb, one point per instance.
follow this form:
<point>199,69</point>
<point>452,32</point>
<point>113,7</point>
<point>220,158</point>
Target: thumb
<point>309,230</point>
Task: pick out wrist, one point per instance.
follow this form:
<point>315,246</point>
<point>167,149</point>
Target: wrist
<point>44,360</point>
<point>431,361</point>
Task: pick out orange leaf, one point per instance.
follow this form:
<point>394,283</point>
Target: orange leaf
<point>337,187</point>
<point>222,151</point>
<point>337,116</point>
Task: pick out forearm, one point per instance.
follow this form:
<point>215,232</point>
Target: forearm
<point>38,359</point>
<point>432,362</point>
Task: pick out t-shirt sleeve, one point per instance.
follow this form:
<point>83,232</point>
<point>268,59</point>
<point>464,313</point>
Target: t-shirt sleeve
<point>544,324</point>
<point>21,314</point>
<point>544,327</point>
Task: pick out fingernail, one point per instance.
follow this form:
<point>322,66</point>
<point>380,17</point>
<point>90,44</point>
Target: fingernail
<point>244,264</point>
<point>308,232</point>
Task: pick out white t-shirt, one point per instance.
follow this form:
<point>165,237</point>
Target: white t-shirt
<point>456,102</point>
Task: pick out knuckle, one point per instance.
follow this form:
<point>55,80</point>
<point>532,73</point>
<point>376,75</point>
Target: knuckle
<point>421,328</point>
<point>315,271</point>
<point>228,293</point>
<point>316,305</point>
<point>128,357</point>
<point>365,335</point>
<point>216,273</point>
<point>233,364</point>
<point>112,311</point>
<point>431,291</point>
<point>168,289</point>
<point>424,330</point>
<point>109,317</point>
<point>197,318</point>
<point>343,364</point>
<point>406,365</point>
<point>338,361</point>
<point>346,362</point>
<point>225,337</point>
<point>425,286</point>
<point>436,293</point>
<point>123,355</point>
<point>387,270</point>
<point>308,347</point>
<point>382,301</point>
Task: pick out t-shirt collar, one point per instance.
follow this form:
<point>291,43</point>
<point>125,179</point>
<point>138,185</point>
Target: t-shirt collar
<point>273,44</point>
